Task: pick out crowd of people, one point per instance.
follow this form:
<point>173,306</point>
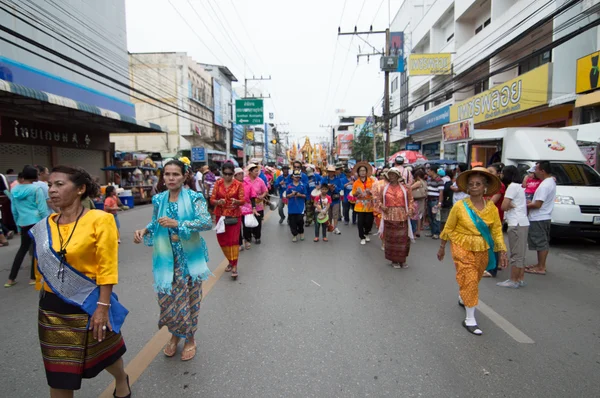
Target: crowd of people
<point>77,248</point>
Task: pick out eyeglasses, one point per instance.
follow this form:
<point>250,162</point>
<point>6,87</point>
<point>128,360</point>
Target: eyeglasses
<point>228,174</point>
<point>475,184</point>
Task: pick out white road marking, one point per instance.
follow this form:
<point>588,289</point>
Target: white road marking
<point>315,283</point>
<point>505,325</point>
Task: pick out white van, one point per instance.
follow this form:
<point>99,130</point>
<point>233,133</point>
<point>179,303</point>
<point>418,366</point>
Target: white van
<point>577,204</point>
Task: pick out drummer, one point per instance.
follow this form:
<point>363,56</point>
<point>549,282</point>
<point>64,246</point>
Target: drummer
<point>322,203</point>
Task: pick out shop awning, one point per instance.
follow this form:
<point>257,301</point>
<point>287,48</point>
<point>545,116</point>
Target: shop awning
<point>20,101</point>
<point>588,99</point>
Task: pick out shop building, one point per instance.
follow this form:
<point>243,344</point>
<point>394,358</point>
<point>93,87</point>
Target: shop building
<point>51,112</point>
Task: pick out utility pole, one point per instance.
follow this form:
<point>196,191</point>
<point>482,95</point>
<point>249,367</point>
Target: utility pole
<point>246,80</point>
<point>386,89</point>
<point>374,135</point>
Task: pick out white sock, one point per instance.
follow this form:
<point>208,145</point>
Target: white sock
<point>470,319</point>
<point>460,300</point>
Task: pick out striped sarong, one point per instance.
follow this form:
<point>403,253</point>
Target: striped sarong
<point>69,350</point>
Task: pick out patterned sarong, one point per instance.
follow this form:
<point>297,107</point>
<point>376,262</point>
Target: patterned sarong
<point>69,349</point>
<point>397,242</point>
<point>179,310</point>
<point>310,212</point>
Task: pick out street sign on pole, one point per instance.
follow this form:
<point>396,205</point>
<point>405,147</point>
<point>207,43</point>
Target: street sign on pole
<point>198,154</point>
<point>249,111</point>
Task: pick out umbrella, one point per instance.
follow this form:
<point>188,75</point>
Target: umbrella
<point>409,156</point>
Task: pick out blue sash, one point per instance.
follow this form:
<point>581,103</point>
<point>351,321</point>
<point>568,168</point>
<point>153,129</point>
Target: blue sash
<point>484,230</point>
<point>67,283</point>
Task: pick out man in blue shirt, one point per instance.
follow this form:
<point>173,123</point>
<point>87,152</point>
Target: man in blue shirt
<point>303,178</point>
<point>314,180</point>
<point>296,196</point>
<point>339,173</point>
<point>336,190</point>
<point>281,185</point>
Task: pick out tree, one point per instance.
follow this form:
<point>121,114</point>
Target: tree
<point>362,146</point>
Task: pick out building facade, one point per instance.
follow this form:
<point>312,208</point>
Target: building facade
<point>497,63</point>
<point>64,84</point>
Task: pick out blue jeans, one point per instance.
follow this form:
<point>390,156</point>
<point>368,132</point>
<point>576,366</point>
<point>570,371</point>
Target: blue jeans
<point>435,224</point>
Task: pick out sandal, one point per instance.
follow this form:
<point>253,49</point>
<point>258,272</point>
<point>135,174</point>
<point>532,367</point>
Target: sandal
<point>191,349</point>
<point>404,266</point>
<point>486,274</point>
<point>325,240</point>
<point>10,284</point>
<point>2,244</point>
<point>170,349</point>
<point>234,273</point>
<point>473,329</point>
<point>229,268</point>
<point>396,265</point>
<point>315,239</point>
<point>128,386</point>
<point>535,271</point>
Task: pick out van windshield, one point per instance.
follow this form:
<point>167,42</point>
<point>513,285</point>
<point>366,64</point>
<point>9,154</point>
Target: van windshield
<point>575,174</point>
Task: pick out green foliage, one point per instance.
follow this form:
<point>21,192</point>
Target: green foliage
<point>362,146</point>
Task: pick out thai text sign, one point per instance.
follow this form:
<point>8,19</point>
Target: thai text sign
<point>249,111</point>
<point>432,119</point>
<point>344,145</point>
<point>587,73</point>
<point>430,64</point>
<point>527,91</point>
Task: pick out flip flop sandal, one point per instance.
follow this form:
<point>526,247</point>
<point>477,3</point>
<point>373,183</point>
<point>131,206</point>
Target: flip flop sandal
<point>535,271</point>
<point>396,266</point>
<point>461,304</point>
<point>186,350</point>
<point>229,268</point>
<point>172,346</point>
<point>234,274</point>
<point>473,329</point>
<point>8,284</point>
<point>404,266</point>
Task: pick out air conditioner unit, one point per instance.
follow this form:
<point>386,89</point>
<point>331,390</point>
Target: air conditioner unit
<point>388,64</point>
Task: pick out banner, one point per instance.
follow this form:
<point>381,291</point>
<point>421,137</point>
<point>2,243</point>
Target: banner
<point>461,131</point>
<point>344,145</point>
<point>238,136</point>
<point>359,125</point>
<point>527,91</point>
<point>587,73</point>
<point>436,118</point>
<point>217,103</point>
<point>397,48</point>
<point>430,64</point>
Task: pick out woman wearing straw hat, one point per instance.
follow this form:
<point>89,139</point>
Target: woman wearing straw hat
<point>362,190</point>
<point>475,232</point>
<point>395,203</point>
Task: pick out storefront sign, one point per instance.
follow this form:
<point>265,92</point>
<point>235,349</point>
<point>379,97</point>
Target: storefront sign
<point>21,131</point>
<point>525,92</point>
<point>397,48</point>
<point>413,146</point>
<point>344,145</point>
<point>238,136</point>
<point>460,131</point>
<point>430,64</point>
<point>198,154</point>
<point>587,73</point>
<point>433,119</point>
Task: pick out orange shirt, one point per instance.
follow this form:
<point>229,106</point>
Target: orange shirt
<point>363,192</point>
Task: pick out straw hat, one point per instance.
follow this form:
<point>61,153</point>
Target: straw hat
<point>331,168</point>
<point>238,170</point>
<point>394,170</point>
<point>250,166</point>
<point>494,183</point>
<point>361,164</point>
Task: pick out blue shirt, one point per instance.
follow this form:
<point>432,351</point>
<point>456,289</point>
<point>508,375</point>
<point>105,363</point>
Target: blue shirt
<point>303,179</point>
<point>28,204</point>
<point>263,177</point>
<point>313,181</point>
<point>338,186</point>
<point>281,184</point>
<point>296,203</point>
<point>344,180</point>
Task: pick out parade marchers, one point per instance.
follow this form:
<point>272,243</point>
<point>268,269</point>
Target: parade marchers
<point>77,250</point>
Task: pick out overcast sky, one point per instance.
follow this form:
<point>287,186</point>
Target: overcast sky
<point>295,42</point>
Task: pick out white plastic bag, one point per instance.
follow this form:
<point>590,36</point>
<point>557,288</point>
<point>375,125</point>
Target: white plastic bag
<point>220,227</point>
<point>250,221</point>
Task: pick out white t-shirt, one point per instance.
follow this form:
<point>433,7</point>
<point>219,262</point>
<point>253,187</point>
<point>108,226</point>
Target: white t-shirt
<point>517,216</point>
<point>546,193</point>
<point>198,181</point>
<point>458,195</point>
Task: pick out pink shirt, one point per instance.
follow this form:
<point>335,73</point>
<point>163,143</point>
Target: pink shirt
<point>259,188</point>
<point>248,195</point>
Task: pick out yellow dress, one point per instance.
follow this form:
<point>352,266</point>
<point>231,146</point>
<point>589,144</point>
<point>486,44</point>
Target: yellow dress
<point>93,249</point>
<point>469,249</point>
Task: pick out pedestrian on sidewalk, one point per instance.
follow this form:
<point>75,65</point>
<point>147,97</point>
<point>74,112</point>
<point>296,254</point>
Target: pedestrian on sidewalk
<point>296,194</point>
<point>540,214</point>
<point>261,194</point>
<point>249,206</point>
<point>111,206</point>
<point>362,190</point>
<point>531,183</point>
<point>395,203</point>
<point>514,206</point>
<point>475,233</point>
<point>322,204</point>
<point>227,199</point>
<point>28,205</point>
<point>79,318</point>
<point>180,257</point>
<point>281,185</point>
<point>435,197</point>
<point>336,191</point>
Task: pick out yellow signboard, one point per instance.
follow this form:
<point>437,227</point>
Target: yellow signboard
<point>430,64</point>
<point>587,73</point>
<point>527,91</point>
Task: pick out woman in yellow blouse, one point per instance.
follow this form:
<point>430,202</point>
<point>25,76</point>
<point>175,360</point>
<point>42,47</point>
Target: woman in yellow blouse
<point>362,190</point>
<point>79,318</point>
<point>475,232</point>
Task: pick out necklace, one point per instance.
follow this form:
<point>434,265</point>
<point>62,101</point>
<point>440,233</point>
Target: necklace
<point>63,245</point>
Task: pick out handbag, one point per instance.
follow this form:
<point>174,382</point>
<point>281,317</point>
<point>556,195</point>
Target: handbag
<point>231,220</point>
<point>420,192</point>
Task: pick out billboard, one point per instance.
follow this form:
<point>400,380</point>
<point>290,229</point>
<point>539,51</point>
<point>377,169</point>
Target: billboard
<point>344,145</point>
<point>460,131</point>
<point>397,48</point>
<point>587,74</point>
<point>238,136</point>
<point>432,119</point>
<point>430,64</point>
<point>218,111</point>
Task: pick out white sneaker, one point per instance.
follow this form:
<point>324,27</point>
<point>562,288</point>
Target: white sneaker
<point>367,239</point>
<point>337,231</point>
<point>294,239</point>
<point>363,242</point>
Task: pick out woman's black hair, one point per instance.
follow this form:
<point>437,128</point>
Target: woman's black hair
<point>511,174</point>
<point>498,166</point>
<point>175,162</point>
<point>80,178</point>
<point>30,173</point>
<point>419,173</point>
<point>109,190</point>
<point>228,166</point>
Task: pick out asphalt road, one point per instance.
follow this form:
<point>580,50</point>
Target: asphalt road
<point>334,320</point>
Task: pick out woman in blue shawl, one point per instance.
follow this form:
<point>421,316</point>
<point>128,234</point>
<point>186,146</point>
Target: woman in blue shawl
<point>180,257</point>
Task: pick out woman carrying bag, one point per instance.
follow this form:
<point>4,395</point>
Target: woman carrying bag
<point>419,191</point>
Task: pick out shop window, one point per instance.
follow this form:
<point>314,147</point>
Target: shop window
<point>487,22</point>
<point>395,84</point>
<point>534,62</point>
<point>394,121</point>
<point>482,86</point>
<point>478,29</point>
<point>426,105</point>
